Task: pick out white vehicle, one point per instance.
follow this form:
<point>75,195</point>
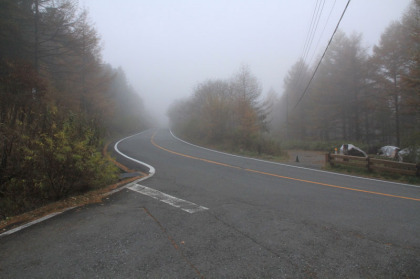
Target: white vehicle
<point>389,151</point>
<point>350,149</point>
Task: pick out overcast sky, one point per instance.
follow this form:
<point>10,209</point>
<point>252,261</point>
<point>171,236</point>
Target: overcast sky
<point>167,47</point>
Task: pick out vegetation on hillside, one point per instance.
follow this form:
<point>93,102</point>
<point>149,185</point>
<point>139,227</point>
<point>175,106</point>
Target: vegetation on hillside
<point>370,98</point>
<point>227,113</point>
<point>58,101</point>
<point>357,95</point>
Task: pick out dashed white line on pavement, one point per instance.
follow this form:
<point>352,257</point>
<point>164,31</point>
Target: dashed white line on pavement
<point>173,201</point>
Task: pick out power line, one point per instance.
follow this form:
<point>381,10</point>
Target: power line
<point>312,29</point>
<point>320,60</point>
<point>309,37</point>
<point>323,30</point>
<point>315,27</point>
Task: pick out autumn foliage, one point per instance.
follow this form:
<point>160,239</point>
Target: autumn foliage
<point>229,113</point>
<point>367,97</point>
<point>57,103</point>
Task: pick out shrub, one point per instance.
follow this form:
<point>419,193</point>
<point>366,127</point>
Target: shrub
<point>62,161</point>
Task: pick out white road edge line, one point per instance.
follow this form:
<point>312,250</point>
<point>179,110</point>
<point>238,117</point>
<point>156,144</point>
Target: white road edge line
<point>291,166</point>
<point>171,200</point>
<point>34,222</point>
<point>152,171</point>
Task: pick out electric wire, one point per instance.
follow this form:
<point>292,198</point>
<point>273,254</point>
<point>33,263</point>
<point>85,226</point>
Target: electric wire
<point>323,30</point>
<point>314,29</point>
<point>311,29</point>
<point>320,60</point>
<point>309,37</point>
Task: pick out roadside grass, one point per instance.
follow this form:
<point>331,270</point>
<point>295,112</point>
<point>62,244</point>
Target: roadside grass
<point>315,146</point>
<point>281,156</point>
<point>326,146</point>
<point>275,158</point>
<point>284,158</point>
<point>394,177</point>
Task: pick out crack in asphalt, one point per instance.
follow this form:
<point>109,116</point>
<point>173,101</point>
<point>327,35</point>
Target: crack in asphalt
<point>271,251</point>
<point>173,242</point>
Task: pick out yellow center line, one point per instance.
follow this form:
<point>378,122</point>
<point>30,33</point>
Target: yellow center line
<point>188,156</point>
<point>279,176</point>
<point>333,186</point>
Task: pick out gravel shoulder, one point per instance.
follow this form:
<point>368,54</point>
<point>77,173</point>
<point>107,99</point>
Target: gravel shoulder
<point>306,158</point>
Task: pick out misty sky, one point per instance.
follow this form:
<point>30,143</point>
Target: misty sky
<point>166,47</point>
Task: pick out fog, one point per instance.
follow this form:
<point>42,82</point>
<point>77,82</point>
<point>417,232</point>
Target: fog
<point>167,47</point>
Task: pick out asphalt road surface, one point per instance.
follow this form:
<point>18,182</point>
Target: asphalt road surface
<point>212,215</point>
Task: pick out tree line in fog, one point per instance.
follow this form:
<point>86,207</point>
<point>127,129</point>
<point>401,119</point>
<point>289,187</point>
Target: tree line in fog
<point>58,101</point>
<point>357,95</point>
<point>228,112</point>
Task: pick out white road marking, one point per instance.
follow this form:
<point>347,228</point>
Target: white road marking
<point>291,166</point>
<point>33,222</point>
<point>160,196</point>
<point>151,169</point>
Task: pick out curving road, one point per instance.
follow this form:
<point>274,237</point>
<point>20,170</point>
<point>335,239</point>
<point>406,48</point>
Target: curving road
<point>214,215</point>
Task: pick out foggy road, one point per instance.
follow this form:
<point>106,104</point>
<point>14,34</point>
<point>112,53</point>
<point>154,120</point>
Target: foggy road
<point>213,215</point>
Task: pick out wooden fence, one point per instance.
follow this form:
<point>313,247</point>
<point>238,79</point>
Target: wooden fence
<point>373,164</point>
